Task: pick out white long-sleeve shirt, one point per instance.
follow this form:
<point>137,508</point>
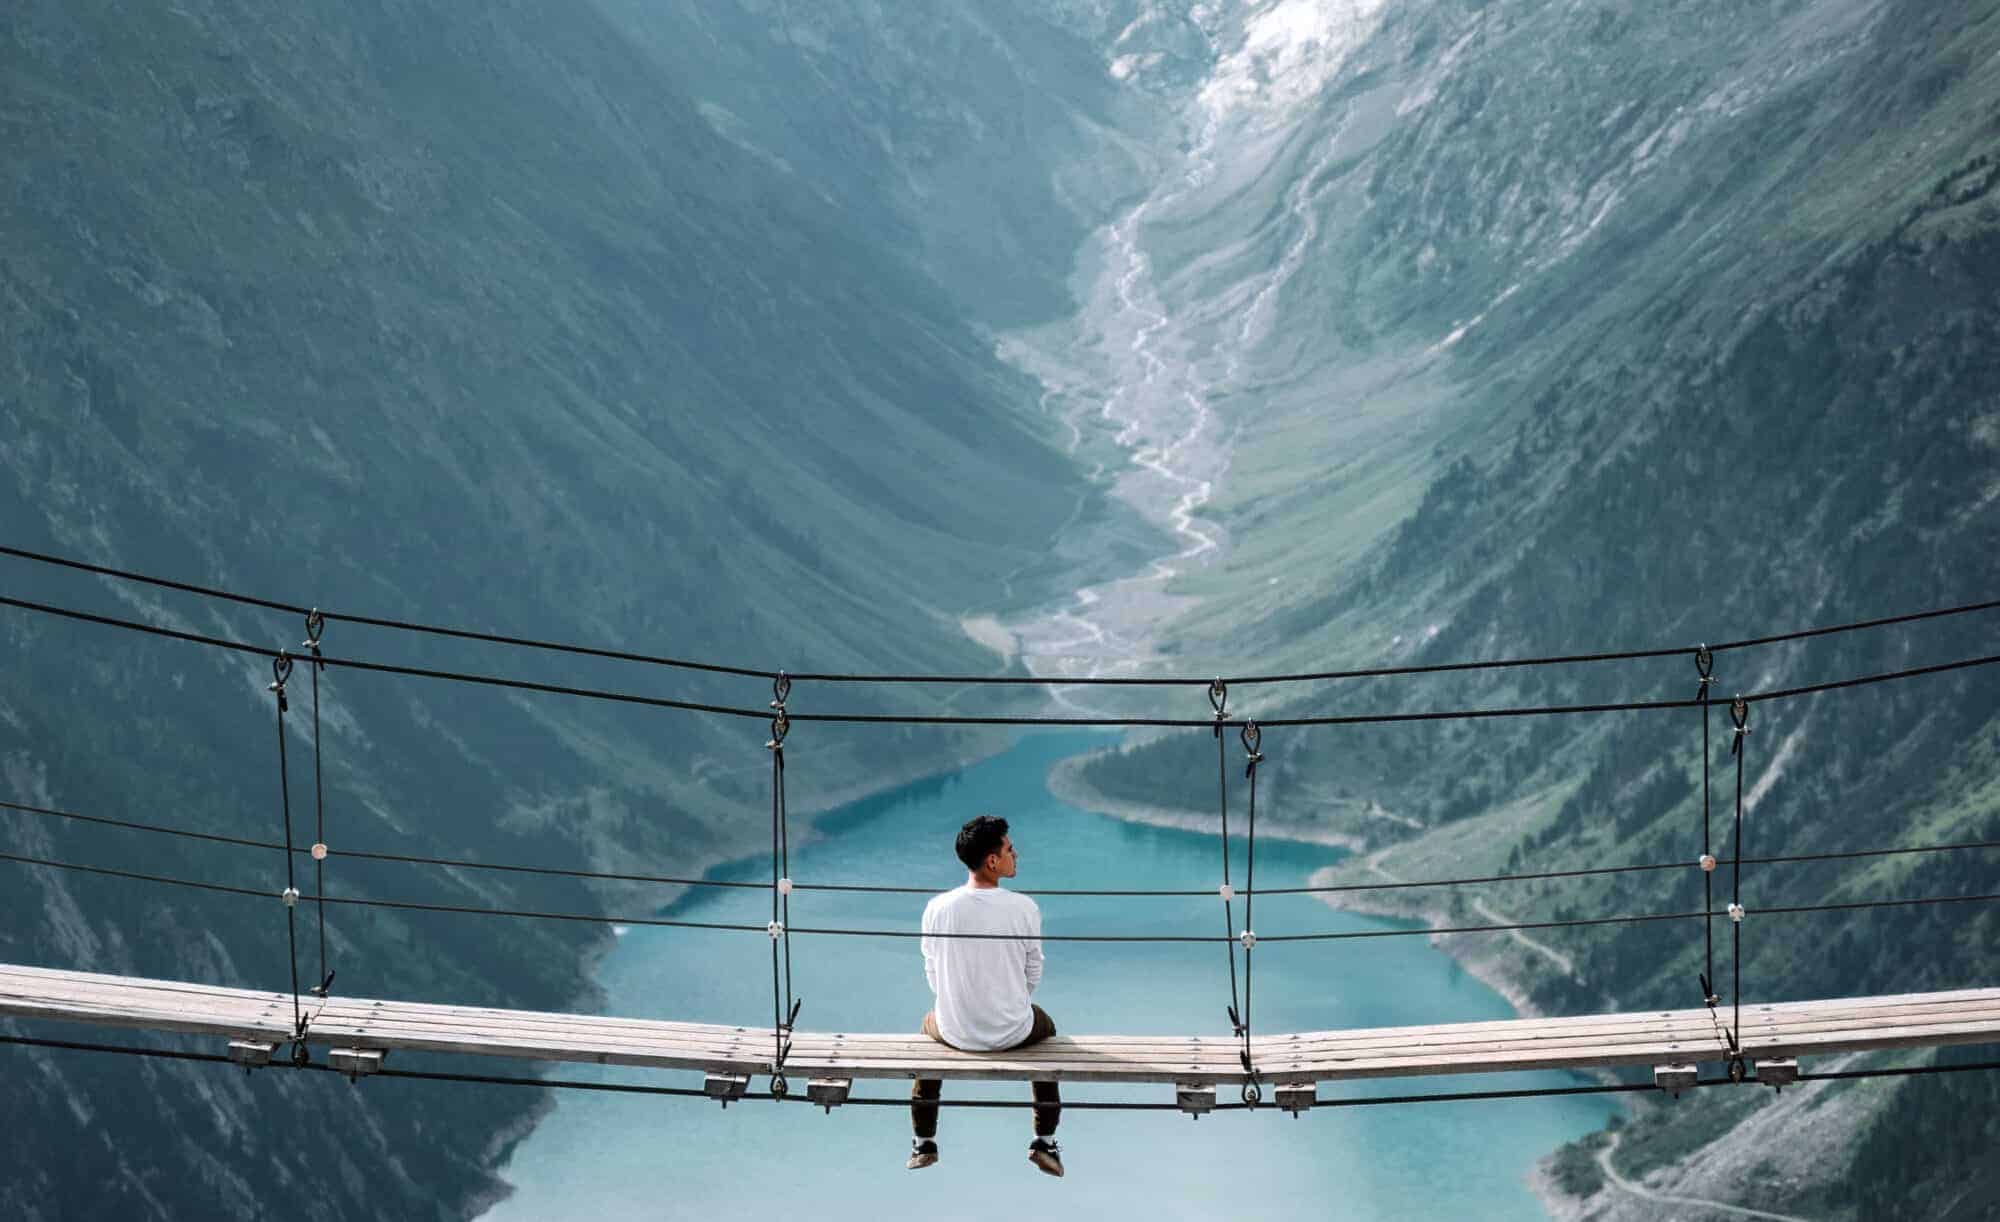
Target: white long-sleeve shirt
<point>982,984</point>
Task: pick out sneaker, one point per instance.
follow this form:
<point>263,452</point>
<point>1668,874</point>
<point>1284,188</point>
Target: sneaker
<point>1047,1155</point>
<point>923,1152</point>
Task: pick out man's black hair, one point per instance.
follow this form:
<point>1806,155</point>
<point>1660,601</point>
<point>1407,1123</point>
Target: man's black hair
<point>979,839</point>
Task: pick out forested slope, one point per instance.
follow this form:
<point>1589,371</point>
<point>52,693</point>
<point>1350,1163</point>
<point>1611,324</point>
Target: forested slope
<point>467,315</point>
<point>1714,303</point>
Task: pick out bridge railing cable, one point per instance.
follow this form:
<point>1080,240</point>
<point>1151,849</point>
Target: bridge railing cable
<point>906,934</point>
<point>457,863</point>
<point>910,719</point>
<point>688,1092</point>
<point>695,665</point>
<point>785,1006</point>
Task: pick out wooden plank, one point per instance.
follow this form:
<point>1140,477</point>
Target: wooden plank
<point>447,1013</point>
<point>659,1031</point>
<point>707,1034</point>
<point>112,986</point>
<point>1790,1028</point>
<point>150,1020</point>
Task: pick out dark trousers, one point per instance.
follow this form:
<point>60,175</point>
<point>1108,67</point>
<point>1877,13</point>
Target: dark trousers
<point>1048,1099</point>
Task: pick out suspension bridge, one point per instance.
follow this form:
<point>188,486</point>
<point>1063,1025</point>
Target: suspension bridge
<point>1749,1041</point>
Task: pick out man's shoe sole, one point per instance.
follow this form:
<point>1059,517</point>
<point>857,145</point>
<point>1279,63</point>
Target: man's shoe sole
<point>919,1161</point>
<point>1047,1165</point>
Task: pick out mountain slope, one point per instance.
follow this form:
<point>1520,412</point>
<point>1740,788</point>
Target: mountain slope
<point>1642,325</point>
<point>468,317</point>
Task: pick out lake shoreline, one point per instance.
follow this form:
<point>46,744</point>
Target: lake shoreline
<point>1473,955</point>
<point>1066,782</point>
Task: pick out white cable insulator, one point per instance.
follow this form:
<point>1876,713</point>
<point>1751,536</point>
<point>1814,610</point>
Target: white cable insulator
<point>784,886</point>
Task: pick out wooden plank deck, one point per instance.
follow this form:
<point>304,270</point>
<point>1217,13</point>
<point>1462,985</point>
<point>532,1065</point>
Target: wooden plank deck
<point>1785,1029</point>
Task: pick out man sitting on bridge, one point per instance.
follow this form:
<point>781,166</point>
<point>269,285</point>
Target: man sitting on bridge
<point>982,983</point>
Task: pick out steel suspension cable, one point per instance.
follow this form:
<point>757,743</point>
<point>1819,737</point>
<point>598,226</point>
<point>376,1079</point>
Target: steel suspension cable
<point>1739,716</point>
<point>315,624</point>
<point>997,680</point>
<point>954,720</point>
<point>373,621</point>
<point>784,1007</point>
<point>1251,737</point>
<point>683,1092</point>
<point>1704,661</point>
<point>881,889</point>
<point>281,670</point>
<point>1218,699</point>
<point>673,923</point>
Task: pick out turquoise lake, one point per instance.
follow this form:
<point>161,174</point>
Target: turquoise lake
<point>628,1157</point>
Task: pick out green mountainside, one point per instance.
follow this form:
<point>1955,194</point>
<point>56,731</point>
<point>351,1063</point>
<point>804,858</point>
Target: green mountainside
<point>466,315</point>
<point>1709,308</point>
<point>673,327</point>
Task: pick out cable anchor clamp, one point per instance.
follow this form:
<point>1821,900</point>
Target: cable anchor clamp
<point>315,624</point>
<point>1227,892</point>
<point>1707,863</point>
<point>1704,665</point>
<point>290,895</point>
<point>781,725</point>
<point>1248,939</point>
<point>1252,737</point>
<point>1218,699</point>
<point>1739,716</point>
<point>781,690</point>
<point>776,929</point>
<point>784,886</point>
<point>1736,913</point>
<point>281,670</point>
<point>319,852</point>
<point>1708,994</point>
